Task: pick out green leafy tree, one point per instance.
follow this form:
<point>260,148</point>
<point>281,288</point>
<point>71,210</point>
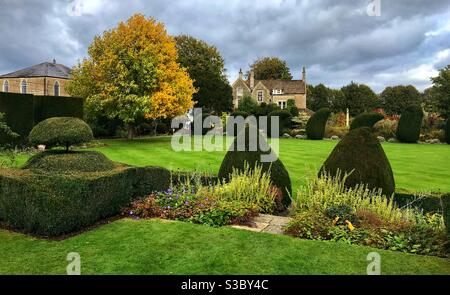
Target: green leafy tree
<point>395,99</point>
<point>270,68</point>
<point>441,90</point>
<point>206,67</point>
<point>429,100</point>
<point>319,97</point>
<point>132,72</point>
<point>248,105</point>
<point>358,98</point>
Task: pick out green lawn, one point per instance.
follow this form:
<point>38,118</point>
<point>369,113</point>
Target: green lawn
<point>158,247</point>
<point>416,167</point>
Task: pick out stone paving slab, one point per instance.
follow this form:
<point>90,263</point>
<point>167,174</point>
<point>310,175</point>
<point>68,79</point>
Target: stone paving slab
<point>266,223</point>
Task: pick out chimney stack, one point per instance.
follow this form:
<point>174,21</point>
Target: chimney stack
<point>241,75</point>
<point>304,75</point>
<point>252,79</point>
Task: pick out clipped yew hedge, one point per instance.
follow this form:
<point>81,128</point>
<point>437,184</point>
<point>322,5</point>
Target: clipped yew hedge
<point>315,128</point>
<point>61,131</point>
<point>408,129</point>
<point>52,203</point>
<point>361,154</point>
<point>445,199</point>
<point>236,159</point>
<point>366,120</point>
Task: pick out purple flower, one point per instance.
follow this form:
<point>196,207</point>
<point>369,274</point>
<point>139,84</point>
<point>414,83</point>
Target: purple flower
<point>131,213</point>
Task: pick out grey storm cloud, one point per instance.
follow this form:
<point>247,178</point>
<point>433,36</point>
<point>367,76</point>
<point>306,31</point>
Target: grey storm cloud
<point>337,41</point>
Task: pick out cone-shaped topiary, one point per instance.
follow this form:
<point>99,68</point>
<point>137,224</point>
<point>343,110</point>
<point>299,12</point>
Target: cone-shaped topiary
<point>236,159</point>
<point>447,131</point>
<point>408,129</point>
<point>57,161</point>
<point>361,152</point>
<point>315,128</point>
<point>366,120</point>
<point>61,131</point>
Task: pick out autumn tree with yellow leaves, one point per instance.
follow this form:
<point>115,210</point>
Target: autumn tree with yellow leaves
<point>132,72</point>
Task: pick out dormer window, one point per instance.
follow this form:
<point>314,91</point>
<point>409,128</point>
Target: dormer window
<point>277,91</point>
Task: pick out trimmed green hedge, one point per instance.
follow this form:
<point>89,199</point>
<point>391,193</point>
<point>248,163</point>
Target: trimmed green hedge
<point>18,110</point>
<point>61,131</point>
<point>447,131</point>
<point>236,159</point>
<point>50,204</point>
<point>429,204</point>
<point>58,161</point>
<point>285,121</point>
<point>446,211</point>
<point>366,120</point>
<point>23,111</point>
<point>315,128</point>
<point>408,129</point>
<point>361,154</point>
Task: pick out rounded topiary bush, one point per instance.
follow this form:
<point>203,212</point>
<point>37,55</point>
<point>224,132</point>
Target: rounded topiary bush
<point>236,159</point>
<point>61,131</point>
<point>315,128</point>
<point>366,120</point>
<point>361,154</point>
<point>447,131</point>
<point>408,129</point>
<point>285,121</point>
<point>59,161</point>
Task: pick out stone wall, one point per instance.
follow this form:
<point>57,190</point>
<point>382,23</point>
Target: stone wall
<point>36,86</point>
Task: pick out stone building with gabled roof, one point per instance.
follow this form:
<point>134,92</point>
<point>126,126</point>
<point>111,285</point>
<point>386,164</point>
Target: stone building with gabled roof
<point>271,91</point>
<point>47,78</point>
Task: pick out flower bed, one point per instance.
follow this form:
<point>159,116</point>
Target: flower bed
<point>326,210</point>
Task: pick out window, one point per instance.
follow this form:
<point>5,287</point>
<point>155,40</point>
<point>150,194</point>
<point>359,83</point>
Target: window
<point>282,104</point>
<point>240,92</point>
<point>56,88</point>
<point>6,86</point>
<point>260,95</point>
<point>24,87</point>
<point>277,91</point>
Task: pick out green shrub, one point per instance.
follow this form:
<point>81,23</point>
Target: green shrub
<point>292,108</point>
<point>315,128</point>
<point>236,159</point>
<point>408,129</point>
<point>428,203</point>
<point>446,211</point>
<point>366,120</point>
<point>447,131</point>
<point>386,128</point>
<point>240,113</point>
<point>67,162</point>
<point>285,121</point>
<point>361,154</point>
<point>61,131</point>
<point>251,186</point>
<point>51,204</point>
<point>325,191</point>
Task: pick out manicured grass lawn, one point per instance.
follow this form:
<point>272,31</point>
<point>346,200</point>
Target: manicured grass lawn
<point>158,247</point>
<point>417,167</point>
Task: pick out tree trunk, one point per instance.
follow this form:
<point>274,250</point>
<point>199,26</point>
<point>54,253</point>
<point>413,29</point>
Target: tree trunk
<point>130,129</point>
<point>155,123</point>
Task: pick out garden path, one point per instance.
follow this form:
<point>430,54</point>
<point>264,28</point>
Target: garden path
<point>267,224</point>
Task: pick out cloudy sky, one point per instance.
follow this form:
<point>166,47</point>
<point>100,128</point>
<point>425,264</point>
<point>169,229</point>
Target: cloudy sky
<point>338,41</point>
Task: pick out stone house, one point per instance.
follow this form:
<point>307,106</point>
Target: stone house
<point>47,78</point>
<point>271,91</point>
